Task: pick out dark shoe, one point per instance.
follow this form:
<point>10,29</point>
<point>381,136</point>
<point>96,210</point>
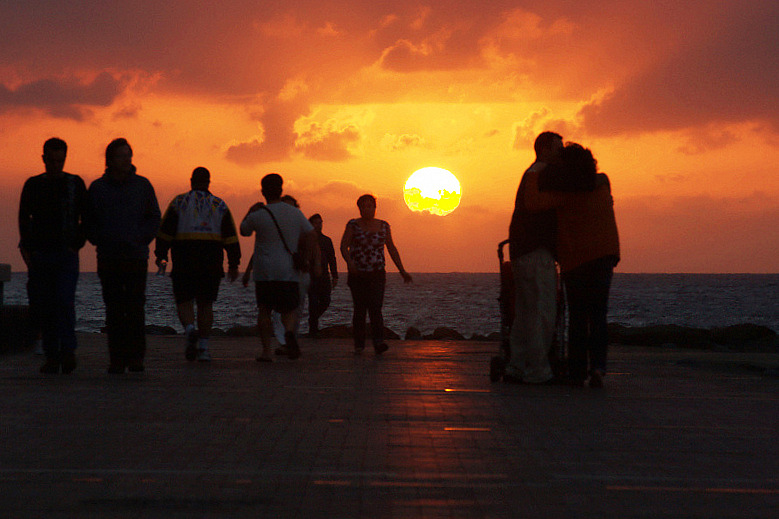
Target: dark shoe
<point>380,348</point>
<point>281,350</point>
<point>497,368</point>
<point>51,366</point>
<point>68,362</point>
<point>135,367</point>
<point>191,352</point>
<point>511,379</point>
<point>596,379</point>
<point>293,349</point>
<point>116,369</point>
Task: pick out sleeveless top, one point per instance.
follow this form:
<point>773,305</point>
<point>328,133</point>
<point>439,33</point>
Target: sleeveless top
<point>367,248</point>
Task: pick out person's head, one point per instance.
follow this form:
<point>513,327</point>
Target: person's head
<point>289,199</point>
<point>271,185</point>
<point>548,146</point>
<point>119,156</point>
<point>367,206</point>
<point>316,221</point>
<point>201,178</point>
<point>580,165</point>
<point>54,153</point>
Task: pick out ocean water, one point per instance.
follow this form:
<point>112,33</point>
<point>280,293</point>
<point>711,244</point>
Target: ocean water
<point>468,302</point>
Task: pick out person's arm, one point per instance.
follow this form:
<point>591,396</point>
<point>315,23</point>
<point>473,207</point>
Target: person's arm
<point>166,234</point>
<point>536,200</point>
<point>331,262</point>
<point>25,222</point>
<point>246,225</point>
<point>81,214</point>
<point>248,274</point>
<point>346,243</point>
<point>395,255</point>
<point>311,249</point>
<point>231,246</point>
<point>152,215</point>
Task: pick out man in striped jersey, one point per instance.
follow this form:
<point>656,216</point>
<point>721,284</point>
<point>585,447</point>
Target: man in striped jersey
<point>197,227</point>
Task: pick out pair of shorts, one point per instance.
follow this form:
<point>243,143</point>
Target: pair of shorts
<point>188,287</point>
<point>281,296</point>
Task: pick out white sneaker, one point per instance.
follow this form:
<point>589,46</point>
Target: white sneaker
<point>203,355</point>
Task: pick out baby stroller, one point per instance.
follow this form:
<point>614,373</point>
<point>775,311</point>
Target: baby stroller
<point>558,352</point>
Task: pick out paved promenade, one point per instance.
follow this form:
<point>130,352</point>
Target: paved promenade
<point>419,432</point>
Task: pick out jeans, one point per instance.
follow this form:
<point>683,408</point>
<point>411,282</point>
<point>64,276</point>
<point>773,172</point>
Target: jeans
<point>318,300</point>
<point>52,280</point>
<point>587,290</point>
<point>124,294</point>
<point>535,310</point>
<point>368,296</point>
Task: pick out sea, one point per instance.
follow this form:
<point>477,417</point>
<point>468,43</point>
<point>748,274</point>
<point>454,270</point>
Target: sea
<point>468,302</point>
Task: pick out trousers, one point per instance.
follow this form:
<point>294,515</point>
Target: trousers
<point>535,310</point>
<point>124,295</point>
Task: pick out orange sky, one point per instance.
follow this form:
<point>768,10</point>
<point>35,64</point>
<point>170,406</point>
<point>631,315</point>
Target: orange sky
<point>678,101</point>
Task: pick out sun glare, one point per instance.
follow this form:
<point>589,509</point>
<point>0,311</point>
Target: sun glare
<point>431,189</point>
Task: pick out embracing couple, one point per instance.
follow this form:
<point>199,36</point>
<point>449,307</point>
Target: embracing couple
<point>563,212</point>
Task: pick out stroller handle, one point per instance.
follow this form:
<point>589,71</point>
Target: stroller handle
<point>500,250</point>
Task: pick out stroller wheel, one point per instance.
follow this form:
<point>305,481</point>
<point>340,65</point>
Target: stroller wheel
<point>497,368</point>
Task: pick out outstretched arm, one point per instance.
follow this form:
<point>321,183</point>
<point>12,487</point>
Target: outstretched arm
<point>395,255</point>
<point>346,242</point>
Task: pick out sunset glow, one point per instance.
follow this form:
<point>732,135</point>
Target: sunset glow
<point>434,190</point>
<point>679,103</point>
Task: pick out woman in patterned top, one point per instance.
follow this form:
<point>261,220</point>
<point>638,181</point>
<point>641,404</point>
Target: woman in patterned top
<point>362,247</point>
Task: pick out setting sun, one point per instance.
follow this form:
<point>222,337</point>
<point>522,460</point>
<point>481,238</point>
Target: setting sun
<point>434,190</point>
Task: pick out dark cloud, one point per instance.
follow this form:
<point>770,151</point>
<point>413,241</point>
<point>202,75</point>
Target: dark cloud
<point>732,76</point>
<point>63,98</point>
<point>325,142</point>
<point>278,137</point>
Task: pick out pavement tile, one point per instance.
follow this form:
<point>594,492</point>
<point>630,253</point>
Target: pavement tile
<point>419,432</point>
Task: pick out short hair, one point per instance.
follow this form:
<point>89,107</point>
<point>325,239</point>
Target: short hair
<point>113,146</point>
<point>366,198</point>
<point>55,144</point>
<point>544,141</point>
<point>271,185</point>
<point>201,176</point>
<point>315,216</point>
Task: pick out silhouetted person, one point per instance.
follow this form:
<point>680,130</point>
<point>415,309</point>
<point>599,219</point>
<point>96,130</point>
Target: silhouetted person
<point>51,217</point>
<point>123,219</point>
<point>588,251</point>
<point>197,227</point>
<point>362,246</point>
<point>321,286</point>
<point>278,229</point>
<point>532,242</point>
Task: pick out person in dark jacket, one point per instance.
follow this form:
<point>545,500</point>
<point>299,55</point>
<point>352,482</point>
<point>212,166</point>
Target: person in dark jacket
<point>532,243</point>
<point>123,219</point>
<point>196,228</point>
<point>321,286</point>
<point>51,218</point>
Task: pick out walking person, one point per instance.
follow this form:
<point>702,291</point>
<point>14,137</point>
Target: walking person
<point>51,228</point>
<point>197,227</point>
<point>532,241</point>
<point>321,286</point>
<point>123,219</point>
<point>362,247</point>
<point>588,250</point>
<point>279,228</point>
